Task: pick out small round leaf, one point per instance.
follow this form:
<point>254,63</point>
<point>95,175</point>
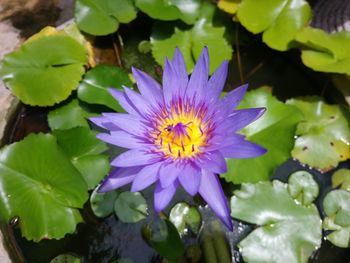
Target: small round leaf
<point>183,215</point>
<point>130,207</point>
<point>302,187</point>
<point>102,204</point>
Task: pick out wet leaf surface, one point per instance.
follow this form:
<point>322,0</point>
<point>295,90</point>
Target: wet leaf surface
<point>130,207</point>
<point>102,204</point>
<point>183,215</point>
<point>302,187</point>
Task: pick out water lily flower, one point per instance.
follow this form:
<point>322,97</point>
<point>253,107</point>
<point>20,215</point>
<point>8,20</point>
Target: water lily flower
<point>179,134</point>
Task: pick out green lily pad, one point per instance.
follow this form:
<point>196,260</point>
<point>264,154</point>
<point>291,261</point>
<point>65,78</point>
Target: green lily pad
<point>183,215</point>
<point>325,52</point>
<point>94,87</point>
<point>274,131</point>
<point>323,136</point>
<point>302,187</point>
<point>279,20</point>
<point>229,6</point>
<point>37,182</point>
<point>341,178</point>
<point>187,11</point>
<point>68,116</point>
<point>287,232</point>
<point>165,38</point>
<point>102,204</point>
<point>84,150</point>
<point>65,258</point>
<point>44,80</point>
<point>130,207</point>
<point>102,17</point>
<point>336,205</point>
<point>162,235</point>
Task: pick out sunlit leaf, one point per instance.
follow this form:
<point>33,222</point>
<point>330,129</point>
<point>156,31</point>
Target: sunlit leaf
<point>84,149</point>
<point>44,80</point>
<point>229,6</point>
<point>41,186</point>
<point>102,204</point>
<point>302,187</point>
<point>287,232</point>
<point>323,135</point>
<point>183,215</point>
<point>102,17</point>
<point>68,116</point>
<point>65,258</point>
<point>274,130</point>
<point>341,178</point>
<point>94,87</point>
<point>279,20</point>
<point>325,52</point>
<point>336,205</point>
<point>130,207</point>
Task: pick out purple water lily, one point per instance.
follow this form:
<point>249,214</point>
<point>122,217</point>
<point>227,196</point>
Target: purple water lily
<point>178,135</point>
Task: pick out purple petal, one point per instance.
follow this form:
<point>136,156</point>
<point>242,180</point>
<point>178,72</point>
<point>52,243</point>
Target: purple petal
<point>140,103</point>
<point>180,70</point>
<point>121,98</point>
<point>197,84</point>
<point>244,149</point>
<point>190,179</point>
<point>211,191</point>
<point>104,123</point>
<point>147,176</point>
<point>129,123</point>
<point>212,161</point>
<point>135,157</point>
<point>219,141</point>
<point>170,83</point>
<point>118,178</point>
<point>121,139</point>
<point>217,82</point>
<point>162,196</point>
<point>232,99</point>
<point>149,88</point>
<point>168,173</point>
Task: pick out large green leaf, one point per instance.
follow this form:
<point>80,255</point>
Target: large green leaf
<point>191,41</point>
<point>325,52</point>
<point>336,205</point>
<point>280,20</point>
<point>130,207</point>
<point>40,185</point>
<point>44,80</point>
<point>94,87</point>
<point>102,17</point>
<point>68,116</point>
<point>287,232</point>
<point>84,150</point>
<point>187,10</point>
<point>274,130</point>
<point>323,135</point>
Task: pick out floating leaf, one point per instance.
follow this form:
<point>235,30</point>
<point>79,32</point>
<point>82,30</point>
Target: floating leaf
<point>65,258</point>
<point>102,204</point>
<point>323,136</point>
<point>336,205</point>
<point>94,87</point>
<point>274,130</point>
<point>187,11</point>
<point>341,178</point>
<point>40,186</point>
<point>84,150</point>
<point>191,41</point>
<point>44,80</point>
<point>288,232</point>
<point>102,17</point>
<point>68,116</point>
<point>130,207</point>
<point>229,6</point>
<point>162,235</point>
<point>183,215</point>
<point>325,52</point>
<point>302,187</point>
<point>279,20</point>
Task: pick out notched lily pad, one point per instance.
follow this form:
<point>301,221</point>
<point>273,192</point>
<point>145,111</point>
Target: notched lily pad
<point>40,186</point>
<point>302,187</point>
<point>102,204</point>
<point>341,178</point>
<point>130,207</point>
<point>336,205</point>
<point>287,232</point>
<point>183,215</point>
<point>274,131</point>
<point>279,20</point>
<point>323,135</point>
<point>44,80</point>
